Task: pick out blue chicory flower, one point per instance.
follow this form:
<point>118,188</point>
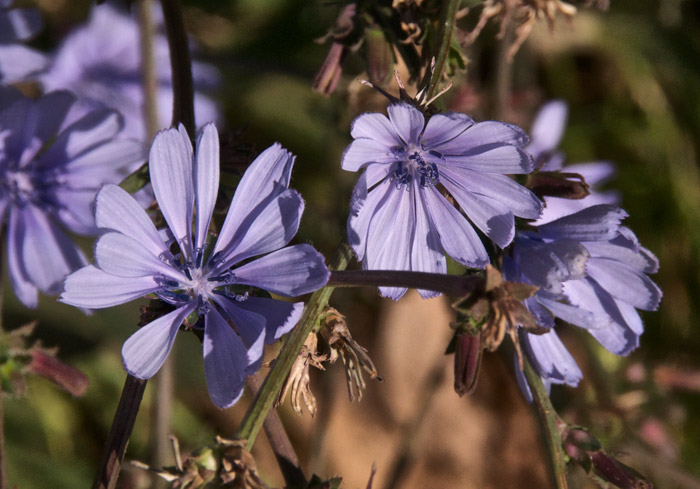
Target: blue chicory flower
<point>16,60</point>
<point>52,163</point>
<point>135,259</point>
<point>101,62</point>
<point>592,273</point>
<point>400,219</point>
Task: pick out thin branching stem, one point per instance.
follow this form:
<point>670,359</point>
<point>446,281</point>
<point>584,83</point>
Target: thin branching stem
<point>279,441</point>
<point>550,422</point>
<point>447,21</point>
<point>265,398</point>
<point>454,285</point>
<point>119,433</point>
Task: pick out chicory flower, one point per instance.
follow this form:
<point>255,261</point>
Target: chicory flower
<point>52,164</point>
<point>16,60</point>
<point>400,218</point>
<point>196,275</point>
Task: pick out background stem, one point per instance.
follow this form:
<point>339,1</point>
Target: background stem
<point>265,398</point>
<point>119,433</point>
<point>447,20</point>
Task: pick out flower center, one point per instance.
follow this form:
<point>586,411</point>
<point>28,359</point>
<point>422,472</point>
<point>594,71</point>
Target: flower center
<point>410,164</point>
<point>26,186</point>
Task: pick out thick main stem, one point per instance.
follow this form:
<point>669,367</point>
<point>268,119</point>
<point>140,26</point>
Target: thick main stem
<point>549,421</point>
<point>119,434</point>
<point>264,400</point>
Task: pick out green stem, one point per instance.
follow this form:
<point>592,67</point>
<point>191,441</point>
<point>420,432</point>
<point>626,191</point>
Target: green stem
<point>3,454</point>
<point>550,422</point>
<point>447,22</point>
<point>264,400</point>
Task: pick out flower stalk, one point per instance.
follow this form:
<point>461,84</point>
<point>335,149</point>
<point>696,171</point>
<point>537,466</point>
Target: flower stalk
<point>453,285</point>
<point>266,396</point>
<point>550,422</point>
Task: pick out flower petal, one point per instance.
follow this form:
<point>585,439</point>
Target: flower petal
<point>625,283</point>
<point>270,229</point>
<point>249,326</point>
<point>280,316</point>
<point>548,265</point>
<point>145,351</point>
<point>390,236</point>
<point>225,360</point>
<point>290,272</point>
<point>457,236</point>
<point>364,151</point>
<point>442,128</point>
<point>266,178</point>
<point>93,288</point>
<point>48,254</point>
<point>23,287</point>
<point>123,256</point>
<point>548,127</point>
<point>493,218</point>
<point>495,158</point>
<point>18,61</point>
<point>596,223</point>
<point>19,24</point>
<point>206,181</point>
<point>407,121</point>
<point>576,316</point>
<point>116,209</point>
<point>427,253</point>
<point>377,127</point>
<point>551,358</point>
<point>362,209</point>
<point>170,166</point>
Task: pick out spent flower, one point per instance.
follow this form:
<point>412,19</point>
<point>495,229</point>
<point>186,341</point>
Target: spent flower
<point>196,276</point>
<point>52,164</point>
<point>401,218</point>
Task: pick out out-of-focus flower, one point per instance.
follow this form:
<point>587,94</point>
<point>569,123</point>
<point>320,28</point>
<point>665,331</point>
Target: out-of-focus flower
<point>592,273</point>
<point>135,259</point>
<point>52,163</point>
<point>401,220</point>
<point>101,62</point>
<point>545,136</point>
<point>16,60</point>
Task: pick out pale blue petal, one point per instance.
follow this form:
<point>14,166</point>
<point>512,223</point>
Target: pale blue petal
<point>249,326</point>
<point>597,223</point>
<point>625,283</point>
<point>541,315</point>
<point>24,289</point>
<point>595,173</point>
<point>18,62</point>
<point>19,24</point>
<point>48,253</point>
<point>375,126</point>
<point>117,210</point>
<point>170,165</point>
<point>364,151</point>
<point>442,128</point>
<point>407,121</point>
<point>268,230</point>
<point>493,218</point>
<point>291,271</point>
<point>145,351</point>
<point>483,136</point>
<point>551,359</point>
<point>123,256</point>
<point>457,236</point>
<point>390,236</point>
<point>492,159</point>
<point>206,181</point>
<point>93,129</point>
<point>427,253</point>
<point>575,315</point>
<point>225,360</point>
<point>93,288</point>
<point>280,316</point>
<point>266,178</point>
<point>362,209</point>
<point>119,157</point>
<point>548,265</point>
<point>548,128</point>
<point>500,188</point>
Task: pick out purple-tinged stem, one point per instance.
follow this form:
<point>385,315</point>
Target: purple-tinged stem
<point>181,65</point>
<point>122,425</point>
<point>454,285</point>
<point>279,441</point>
